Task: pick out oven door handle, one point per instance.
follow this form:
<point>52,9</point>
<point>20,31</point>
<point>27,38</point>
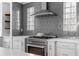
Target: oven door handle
<point>39,46</point>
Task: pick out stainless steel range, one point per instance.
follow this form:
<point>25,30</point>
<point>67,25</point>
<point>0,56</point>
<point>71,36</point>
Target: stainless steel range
<point>37,44</point>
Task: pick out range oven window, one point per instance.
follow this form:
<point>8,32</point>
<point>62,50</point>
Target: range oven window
<point>36,50</point>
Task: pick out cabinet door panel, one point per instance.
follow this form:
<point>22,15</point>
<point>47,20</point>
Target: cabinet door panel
<point>18,43</point>
<point>51,48</point>
<point>65,49</point>
<point>65,52</point>
<point>7,42</point>
<point>77,50</point>
<point>65,45</point>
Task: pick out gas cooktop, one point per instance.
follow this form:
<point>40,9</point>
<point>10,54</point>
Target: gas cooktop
<point>43,37</point>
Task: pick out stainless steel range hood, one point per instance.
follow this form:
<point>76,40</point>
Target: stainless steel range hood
<point>44,10</point>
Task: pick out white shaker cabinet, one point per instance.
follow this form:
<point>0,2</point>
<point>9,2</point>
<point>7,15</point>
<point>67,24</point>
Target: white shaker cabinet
<point>51,48</point>
<point>19,43</point>
<point>7,42</point>
<point>65,49</point>
<point>77,49</point>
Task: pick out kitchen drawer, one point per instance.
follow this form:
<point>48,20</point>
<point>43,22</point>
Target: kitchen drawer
<point>65,52</point>
<point>65,45</point>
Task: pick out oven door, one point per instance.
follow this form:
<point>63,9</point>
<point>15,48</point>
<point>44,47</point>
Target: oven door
<point>35,49</point>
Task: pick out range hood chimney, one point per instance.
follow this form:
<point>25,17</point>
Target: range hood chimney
<point>44,10</point>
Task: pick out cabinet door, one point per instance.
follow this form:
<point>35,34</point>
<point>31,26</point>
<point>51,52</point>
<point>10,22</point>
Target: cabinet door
<point>65,49</point>
<point>65,52</point>
<point>68,45</point>
<point>7,42</point>
<point>77,50</point>
<point>51,48</point>
<point>23,44</point>
<point>18,43</point>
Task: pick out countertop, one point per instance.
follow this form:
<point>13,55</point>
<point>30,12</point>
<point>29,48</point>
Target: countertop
<point>13,52</point>
<point>66,39</point>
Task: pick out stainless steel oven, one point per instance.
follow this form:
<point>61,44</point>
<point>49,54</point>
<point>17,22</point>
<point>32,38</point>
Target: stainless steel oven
<point>38,50</point>
<point>37,45</point>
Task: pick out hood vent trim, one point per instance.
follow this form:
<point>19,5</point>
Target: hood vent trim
<point>44,11</point>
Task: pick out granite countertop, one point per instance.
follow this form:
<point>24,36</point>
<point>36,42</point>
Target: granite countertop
<point>13,52</point>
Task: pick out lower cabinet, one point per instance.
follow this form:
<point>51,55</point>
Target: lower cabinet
<point>51,48</point>
<point>18,43</point>
<point>15,42</point>
<point>65,49</point>
<point>65,52</point>
<point>7,42</point>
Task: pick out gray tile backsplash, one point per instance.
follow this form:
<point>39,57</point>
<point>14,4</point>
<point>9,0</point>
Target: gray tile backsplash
<point>46,24</point>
